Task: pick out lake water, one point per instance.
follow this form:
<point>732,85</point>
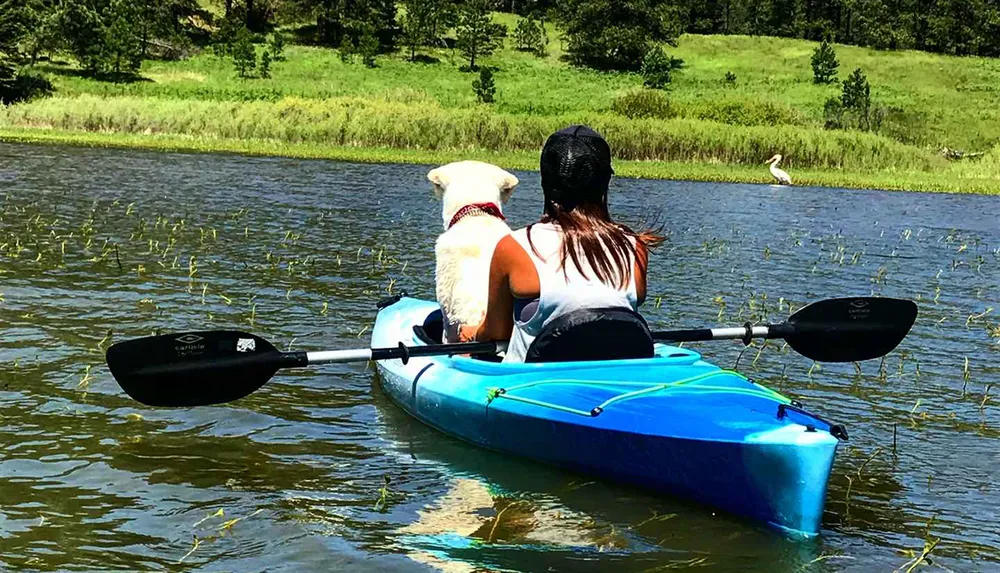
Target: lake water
<point>94,242</point>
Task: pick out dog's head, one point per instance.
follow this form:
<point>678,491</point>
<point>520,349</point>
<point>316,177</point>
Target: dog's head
<point>468,182</point>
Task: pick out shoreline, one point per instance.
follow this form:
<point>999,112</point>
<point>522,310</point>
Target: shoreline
<point>913,181</point>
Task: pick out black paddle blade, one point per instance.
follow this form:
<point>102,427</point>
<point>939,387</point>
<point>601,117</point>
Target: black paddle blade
<point>193,368</point>
<point>849,329</point>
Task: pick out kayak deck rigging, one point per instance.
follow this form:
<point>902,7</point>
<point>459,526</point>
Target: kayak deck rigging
<point>644,389</point>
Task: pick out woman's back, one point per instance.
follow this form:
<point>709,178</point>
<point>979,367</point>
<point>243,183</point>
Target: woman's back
<point>563,288</point>
<point>575,260</point>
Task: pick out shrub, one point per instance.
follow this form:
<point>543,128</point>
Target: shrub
<point>22,85</point>
<point>824,64</point>
<point>833,114</point>
<point>908,126</point>
<point>265,64</point>
<point>642,104</point>
<point>346,49</point>
<point>484,86</point>
<point>730,79</point>
<point>745,111</point>
<point>529,36</point>
<point>277,46</point>
<point>658,67</point>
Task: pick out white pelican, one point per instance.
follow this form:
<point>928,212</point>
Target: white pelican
<point>780,175</point>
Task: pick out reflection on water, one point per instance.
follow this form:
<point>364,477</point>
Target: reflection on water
<point>319,470</point>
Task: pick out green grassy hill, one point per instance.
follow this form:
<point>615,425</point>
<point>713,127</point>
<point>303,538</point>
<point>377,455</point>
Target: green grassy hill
<point>316,105</point>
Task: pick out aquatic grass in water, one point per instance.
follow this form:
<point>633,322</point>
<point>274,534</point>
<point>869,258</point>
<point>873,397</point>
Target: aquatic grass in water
<point>312,446</point>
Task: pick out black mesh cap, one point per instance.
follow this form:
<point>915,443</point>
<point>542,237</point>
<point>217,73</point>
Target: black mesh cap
<point>575,165</point>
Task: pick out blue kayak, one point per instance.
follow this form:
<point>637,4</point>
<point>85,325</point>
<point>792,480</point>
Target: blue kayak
<point>672,423</point>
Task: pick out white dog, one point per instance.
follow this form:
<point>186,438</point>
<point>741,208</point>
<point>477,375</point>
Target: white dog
<point>473,194</point>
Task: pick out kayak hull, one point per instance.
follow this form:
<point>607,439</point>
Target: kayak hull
<point>673,423</point>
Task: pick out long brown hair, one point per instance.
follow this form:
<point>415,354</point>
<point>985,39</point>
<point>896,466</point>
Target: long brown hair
<point>576,171</point>
<point>608,247</point>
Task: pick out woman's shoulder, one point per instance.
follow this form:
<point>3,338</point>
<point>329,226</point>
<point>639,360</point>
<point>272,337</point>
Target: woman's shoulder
<point>510,253</point>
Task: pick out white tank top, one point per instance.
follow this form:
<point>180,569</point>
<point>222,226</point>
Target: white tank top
<point>559,292</point>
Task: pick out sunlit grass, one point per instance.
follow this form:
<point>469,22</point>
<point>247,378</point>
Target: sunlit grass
<point>315,105</point>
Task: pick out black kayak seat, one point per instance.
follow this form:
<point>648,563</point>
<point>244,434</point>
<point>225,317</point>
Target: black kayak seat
<point>432,330</point>
<point>584,334</point>
<point>593,334</point>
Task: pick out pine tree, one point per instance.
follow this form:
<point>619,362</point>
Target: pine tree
<point>384,19</point>
<point>856,100</point>
<point>824,64</point>
<point>244,53</point>
<point>12,27</point>
<point>82,29</point>
<point>657,68</point>
<point>346,49</point>
<point>42,28</point>
<point>484,86</point>
<point>368,47</point>
<point>478,36</point>
<point>122,47</point>
<point>277,46</point>
<point>856,91</point>
<point>423,21</point>
<point>265,64</point>
<point>415,25</point>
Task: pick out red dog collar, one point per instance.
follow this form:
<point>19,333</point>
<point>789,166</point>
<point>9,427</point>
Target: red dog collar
<point>477,209</point>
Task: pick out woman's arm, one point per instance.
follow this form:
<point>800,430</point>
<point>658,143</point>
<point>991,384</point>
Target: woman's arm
<point>499,321</point>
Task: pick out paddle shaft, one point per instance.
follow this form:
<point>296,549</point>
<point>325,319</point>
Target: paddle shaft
<point>278,360</point>
<point>400,352</point>
<point>746,333</point>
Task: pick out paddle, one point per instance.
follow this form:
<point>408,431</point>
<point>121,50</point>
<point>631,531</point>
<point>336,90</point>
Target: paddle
<point>214,367</point>
<point>832,330</point>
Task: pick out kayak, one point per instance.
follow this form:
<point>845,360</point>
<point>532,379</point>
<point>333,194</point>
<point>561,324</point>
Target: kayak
<point>673,423</point>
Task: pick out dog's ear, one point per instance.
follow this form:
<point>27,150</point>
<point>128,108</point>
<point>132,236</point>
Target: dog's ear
<point>438,181</point>
<point>507,184</point>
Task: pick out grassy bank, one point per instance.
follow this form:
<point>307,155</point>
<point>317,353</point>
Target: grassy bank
<point>315,105</point>
<point>946,181</point>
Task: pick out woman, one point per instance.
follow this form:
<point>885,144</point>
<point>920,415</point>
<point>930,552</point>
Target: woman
<point>575,257</point>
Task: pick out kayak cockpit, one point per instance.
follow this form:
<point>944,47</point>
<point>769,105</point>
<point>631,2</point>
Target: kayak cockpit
<point>430,331</point>
<point>628,387</point>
